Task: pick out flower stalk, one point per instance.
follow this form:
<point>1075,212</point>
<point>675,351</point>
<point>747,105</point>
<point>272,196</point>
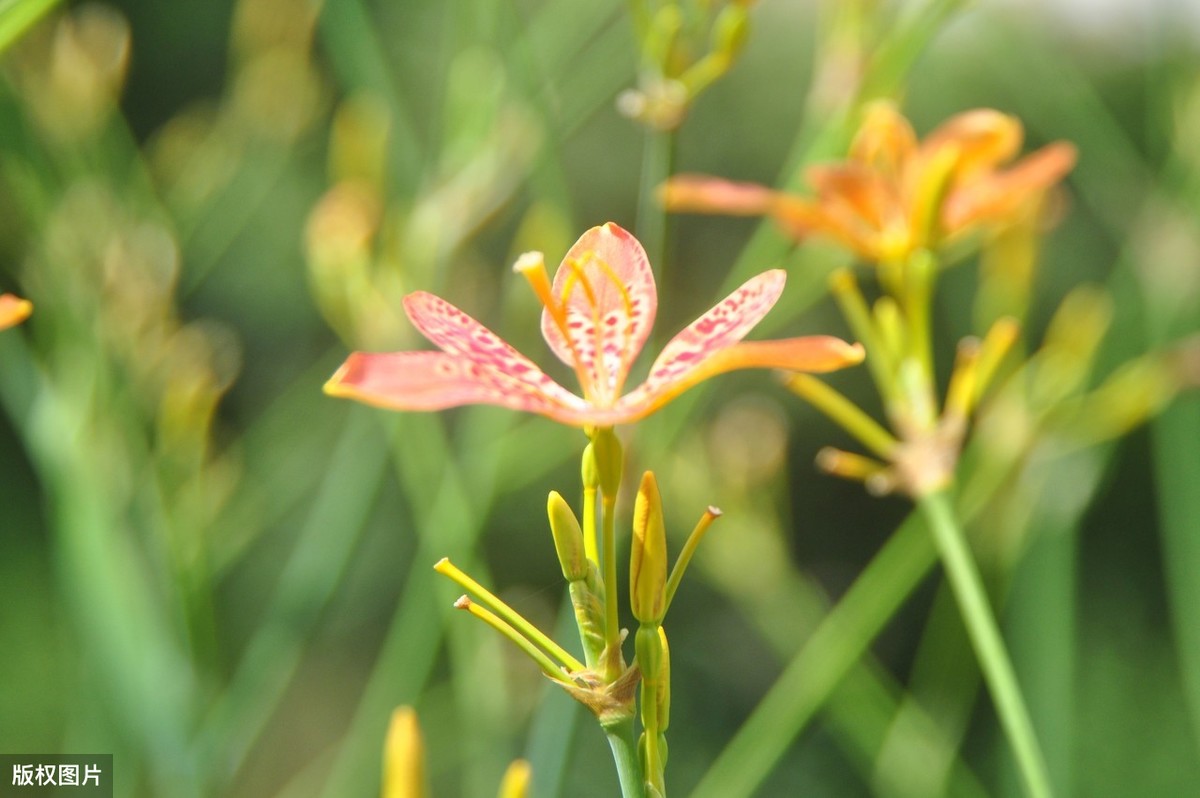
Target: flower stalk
<point>986,639</point>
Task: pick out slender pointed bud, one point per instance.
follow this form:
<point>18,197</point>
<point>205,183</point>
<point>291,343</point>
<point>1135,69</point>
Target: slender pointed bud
<point>606,449</point>
<point>848,465</point>
<point>568,538</point>
<point>516,780</point>
<point>961,393</point>
<point>404,757</point>
<point>995,346</point>
<point>648,558</point>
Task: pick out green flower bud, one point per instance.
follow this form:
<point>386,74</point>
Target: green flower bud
<point>648,558</point>
<point>588,470</point>
<point>606,450</point>
<point>664,692</point>
<point>648,645</point>
<point>568,538</point>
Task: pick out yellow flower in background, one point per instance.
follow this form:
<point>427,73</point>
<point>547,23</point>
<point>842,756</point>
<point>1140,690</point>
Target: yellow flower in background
<point>894,195</point>
<point>13,310</point>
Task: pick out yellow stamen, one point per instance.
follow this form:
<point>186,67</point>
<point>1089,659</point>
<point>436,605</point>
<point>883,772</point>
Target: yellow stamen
<point>527,630</point>
<point>532,266</point>
<point>548,666</point>
<point>685,555</point>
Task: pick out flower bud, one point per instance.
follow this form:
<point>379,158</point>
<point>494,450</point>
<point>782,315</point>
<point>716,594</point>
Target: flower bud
<point>648,558</point>
<point>588,471</point>
<point>606,450</point>
<point>404,757</point>
<point>664,690</point>
<point>568,538</point>
<point>516,780</point>
<point>647,644</point>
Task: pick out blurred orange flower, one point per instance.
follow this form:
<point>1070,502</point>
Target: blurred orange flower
<point>894,195</point>
<point>13,310</point>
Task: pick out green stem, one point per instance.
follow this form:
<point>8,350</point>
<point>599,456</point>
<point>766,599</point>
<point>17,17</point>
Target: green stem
<point>612,624</point>
<point>820,666</point>
<point>651,218</point>
<point>984,632</point>
<point>624,750</point>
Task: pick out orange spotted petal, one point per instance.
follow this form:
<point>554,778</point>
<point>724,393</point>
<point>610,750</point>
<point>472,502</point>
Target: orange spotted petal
<point>709,346</point>
<point>13,310</point>
<point>474,366</point>
<point>605,291</point>
<point>436,381</point>
<point>814,353</point>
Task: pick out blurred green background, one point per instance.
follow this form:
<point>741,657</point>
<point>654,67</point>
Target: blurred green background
<point>223,577</point>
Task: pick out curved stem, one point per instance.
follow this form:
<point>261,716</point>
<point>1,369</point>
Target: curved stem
<point>984,632</point>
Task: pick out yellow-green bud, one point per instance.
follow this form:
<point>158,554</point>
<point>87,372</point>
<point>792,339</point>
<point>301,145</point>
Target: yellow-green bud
<point>664,690</point>
<point>404,757</point>
<point>606,450</point>
<point>731,30</point>
<point>648,646</point>
<point>568,538</point>
<point>648,558</point>
<point>588,470</point>
<point>516,780</point>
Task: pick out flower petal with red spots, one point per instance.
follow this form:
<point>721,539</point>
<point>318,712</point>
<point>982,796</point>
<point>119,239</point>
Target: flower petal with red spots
<point>606,288</point>
<point>436,381</point>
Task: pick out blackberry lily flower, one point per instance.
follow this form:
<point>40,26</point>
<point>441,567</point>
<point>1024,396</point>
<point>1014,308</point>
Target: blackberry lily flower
<point>895,195</point>
<point>598,314</point>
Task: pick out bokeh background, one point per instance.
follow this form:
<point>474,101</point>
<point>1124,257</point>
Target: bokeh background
<point>223,577</point>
